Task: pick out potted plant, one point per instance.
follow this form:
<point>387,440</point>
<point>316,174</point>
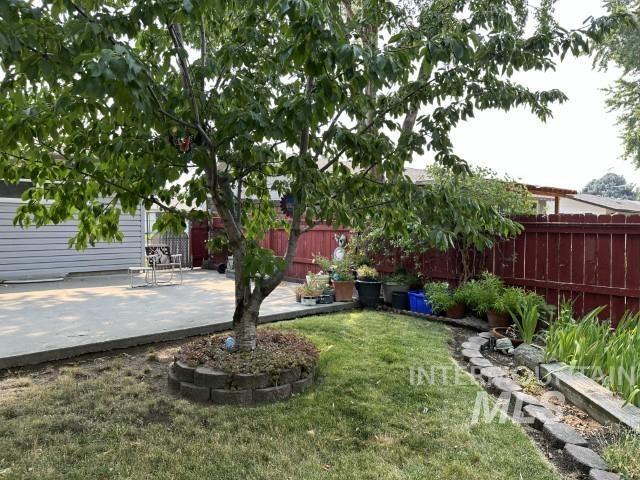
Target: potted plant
<point>342,281</point>
<point>400,281</point>
<point>526,314</point>
<point>327,296</point>
<point>299,290</point>
<point>309,294</point>
<point>481,295</point>
<point>500,316</point>
<point>444,300</point>
<point>368,286</point>
<point>321,279</point>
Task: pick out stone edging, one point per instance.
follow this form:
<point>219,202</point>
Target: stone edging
<point>598,401</point>
<point>201,384</point>
<point>523,406</point>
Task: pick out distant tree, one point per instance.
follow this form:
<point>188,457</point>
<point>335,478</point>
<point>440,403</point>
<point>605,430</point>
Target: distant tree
<point>611,185</point>
<point>621,47</point>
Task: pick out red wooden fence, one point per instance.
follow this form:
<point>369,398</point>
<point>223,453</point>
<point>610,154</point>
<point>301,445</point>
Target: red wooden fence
<point>320,240</point>
<point>592,260</point>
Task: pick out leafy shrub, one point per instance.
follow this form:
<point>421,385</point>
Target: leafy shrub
<point>513,298</point>
<point>401,277</point>
<point>324,262</point>
<point>342,273</point>
<point>610,357</point>
<point>466,293</point>
<point>311,290</point>
<point>367,273</point>
<point>439,295</point>
<point>526,315</point>
<point>509,300</point>
<point>481,295</point>
<point>340,270</point>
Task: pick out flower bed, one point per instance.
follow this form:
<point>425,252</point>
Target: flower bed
<point>591,346</point>
<point>282,364</point>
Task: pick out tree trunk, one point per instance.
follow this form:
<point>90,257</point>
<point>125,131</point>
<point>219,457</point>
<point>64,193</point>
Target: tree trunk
<point>245,322</point>
<point>245,315</point>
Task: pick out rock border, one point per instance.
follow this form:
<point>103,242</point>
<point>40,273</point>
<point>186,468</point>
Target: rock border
<point>524,408</point>
<point>598,401</point>
<point>204,385</point>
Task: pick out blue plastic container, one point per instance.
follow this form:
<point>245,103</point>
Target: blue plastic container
<point>418,303</point>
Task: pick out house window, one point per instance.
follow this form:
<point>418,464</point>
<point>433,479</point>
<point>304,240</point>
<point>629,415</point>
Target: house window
<point>10,190</point>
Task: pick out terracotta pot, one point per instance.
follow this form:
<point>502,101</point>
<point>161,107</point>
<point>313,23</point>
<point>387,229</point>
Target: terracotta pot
<point>499,332</point>
<point>456,311</point>
<point>344,290</point>
<point>498,320</point>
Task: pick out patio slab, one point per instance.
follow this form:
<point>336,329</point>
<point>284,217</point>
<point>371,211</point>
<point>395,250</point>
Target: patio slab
<point>50,321</point>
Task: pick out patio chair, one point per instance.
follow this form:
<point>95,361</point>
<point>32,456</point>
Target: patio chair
<point>160,260</point>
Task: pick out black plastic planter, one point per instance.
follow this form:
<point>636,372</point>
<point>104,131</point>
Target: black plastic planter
<point>400,300</point>
<point>368,293</point>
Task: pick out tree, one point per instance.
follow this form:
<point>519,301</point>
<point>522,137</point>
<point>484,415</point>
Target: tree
<point>621,47</point>
<point>611,185</point>
<point>110,104</point>
<point>468,213</point>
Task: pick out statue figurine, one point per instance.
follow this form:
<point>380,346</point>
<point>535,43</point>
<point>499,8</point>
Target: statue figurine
<point>339,253</point>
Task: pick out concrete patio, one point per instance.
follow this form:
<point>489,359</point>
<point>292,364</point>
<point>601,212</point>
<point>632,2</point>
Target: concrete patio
<point>49,321</point>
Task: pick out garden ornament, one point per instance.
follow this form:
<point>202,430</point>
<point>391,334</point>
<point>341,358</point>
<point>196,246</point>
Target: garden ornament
<point>230,343</point>
<point>339,252</point>
<point>503,345</point>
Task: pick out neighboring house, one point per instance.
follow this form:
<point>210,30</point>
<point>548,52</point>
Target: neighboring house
<point>588,203</point>
<point>558,200</point>
<point>37,253</point>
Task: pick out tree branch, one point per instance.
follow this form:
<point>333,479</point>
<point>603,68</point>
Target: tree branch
<point>176,37</point>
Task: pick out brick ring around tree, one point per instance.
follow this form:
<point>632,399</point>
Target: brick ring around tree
<point>198,373</point>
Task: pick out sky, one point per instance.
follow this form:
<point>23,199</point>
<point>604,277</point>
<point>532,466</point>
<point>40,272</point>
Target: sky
<point>579,143</point>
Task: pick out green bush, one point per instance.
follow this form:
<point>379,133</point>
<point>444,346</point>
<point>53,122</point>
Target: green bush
<point>440,296</point>
<point>611,357</point>
<point>509,300</point>
<point>481,295</point>
<point>526,315</point>
<point>367,273</point>
<point>401,277</point>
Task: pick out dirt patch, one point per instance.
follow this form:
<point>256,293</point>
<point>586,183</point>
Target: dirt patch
<point>148,363</point>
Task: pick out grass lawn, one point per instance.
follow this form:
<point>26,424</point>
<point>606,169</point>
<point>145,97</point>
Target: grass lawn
<point>623,453</point>
<point>362,421</point>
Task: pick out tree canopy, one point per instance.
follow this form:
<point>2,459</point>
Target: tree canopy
<point>465,212</point>
<point>107,105</point>
<point>611,185</point>
<point>621,47</point>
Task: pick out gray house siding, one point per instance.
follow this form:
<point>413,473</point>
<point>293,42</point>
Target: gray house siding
<point>44,253</point>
